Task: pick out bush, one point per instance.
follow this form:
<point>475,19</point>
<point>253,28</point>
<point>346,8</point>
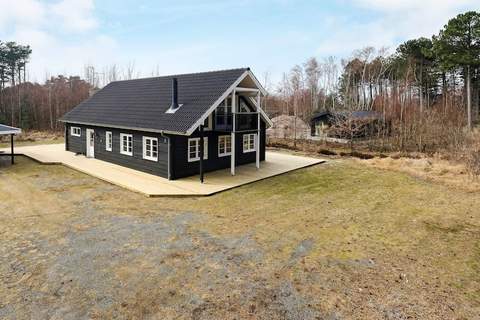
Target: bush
<point>472,156</point>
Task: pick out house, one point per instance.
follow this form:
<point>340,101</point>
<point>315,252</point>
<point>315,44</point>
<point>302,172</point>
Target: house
<point>328,123</point>
<point>173,126</point>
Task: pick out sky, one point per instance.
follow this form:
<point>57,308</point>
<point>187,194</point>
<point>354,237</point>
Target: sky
<point>171,37</point>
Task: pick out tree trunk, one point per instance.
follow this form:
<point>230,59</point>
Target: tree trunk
<point>444,92</point>
<point>454,88</point>
<point>18,92</point>
<point>295,106</point>
<point>421,89</point>
<point>50,107</point>
<point>469,98</point>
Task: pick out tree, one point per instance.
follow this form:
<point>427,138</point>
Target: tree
<point>13,61</point>
<point>3,74</point>
<point>297,84</point>
<point>312,74</point>
<point>458,45</point>
<point>419,54</point>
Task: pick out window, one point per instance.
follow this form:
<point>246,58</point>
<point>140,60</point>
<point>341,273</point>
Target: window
<point>224,112</point>
<point>244,107</point>
<point>75,131</point>
<point>224,146</point>
<point>150,148</point>
<point>108,141</point>
<point>249,142</point>
<point>126,144</point>
<point>194,149</point>
<point>207,124</point>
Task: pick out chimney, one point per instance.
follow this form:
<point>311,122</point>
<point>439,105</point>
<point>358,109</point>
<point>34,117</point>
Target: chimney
<point>174,105</point>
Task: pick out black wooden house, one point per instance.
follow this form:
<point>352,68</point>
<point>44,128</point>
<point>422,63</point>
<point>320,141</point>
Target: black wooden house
<point>173,126</point>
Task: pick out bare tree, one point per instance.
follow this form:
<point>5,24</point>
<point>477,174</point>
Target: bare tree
<point>312,76</point>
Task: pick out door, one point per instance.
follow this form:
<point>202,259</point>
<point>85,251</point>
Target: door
<point>90,143</point>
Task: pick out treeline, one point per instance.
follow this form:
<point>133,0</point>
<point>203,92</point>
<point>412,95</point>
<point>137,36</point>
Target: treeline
<point>424,79</point>
<point>39,106</point>
<point>423,75</point>
<point>32,105</point>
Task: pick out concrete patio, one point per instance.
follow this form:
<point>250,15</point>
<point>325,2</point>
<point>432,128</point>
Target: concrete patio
<point>276,163</point>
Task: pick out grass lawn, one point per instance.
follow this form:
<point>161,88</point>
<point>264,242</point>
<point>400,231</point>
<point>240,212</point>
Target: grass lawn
<point>335,241</point>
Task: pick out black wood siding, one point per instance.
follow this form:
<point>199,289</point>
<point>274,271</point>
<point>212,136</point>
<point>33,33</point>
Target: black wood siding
<point>160,167</point>
<point>75,144</point>
<point>182,168</point>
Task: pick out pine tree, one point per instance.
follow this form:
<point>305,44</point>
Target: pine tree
<point>458,45</point>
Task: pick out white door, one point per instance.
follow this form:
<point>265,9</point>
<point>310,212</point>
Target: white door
<point>90,143</point>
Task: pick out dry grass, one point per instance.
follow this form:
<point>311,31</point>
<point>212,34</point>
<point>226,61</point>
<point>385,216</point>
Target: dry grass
<point>341,240</point>
<point>451,173</point>
<point>33,138</point>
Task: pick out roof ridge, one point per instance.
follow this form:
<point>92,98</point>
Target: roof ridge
<point>183,74</point>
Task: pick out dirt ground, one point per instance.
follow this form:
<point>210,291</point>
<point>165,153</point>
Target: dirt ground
<point>342,240</point>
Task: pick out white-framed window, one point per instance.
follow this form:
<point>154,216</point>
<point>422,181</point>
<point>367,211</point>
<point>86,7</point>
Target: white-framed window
<point>75,131</point>
<point>194,149</point>
<point>223,112</point>
<point>108,141</point>
<point>126,144</point>
<point>224,146</point>
<point>150,148</point>
<point>249,142</point>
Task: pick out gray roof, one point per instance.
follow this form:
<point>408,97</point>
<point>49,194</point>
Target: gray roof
<point>361,114</point>
<point>9,130</point>
<point>141,103</point>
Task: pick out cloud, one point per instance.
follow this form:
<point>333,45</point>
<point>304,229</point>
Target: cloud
<point>69,15</point>
<point>75,15</point>
<point>342,40</point>
<point>389,23</point>
<point>62,34</point>
<point>22,12</point>
<point>414,18</point>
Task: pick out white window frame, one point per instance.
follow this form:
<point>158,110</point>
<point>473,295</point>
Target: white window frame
<point>74,133</point>
<point>222,140</point>
<point>108,141</point>
<point>225,107</point>
<point>196,141</point>
<point>249,142</point>
<point>122,151</point>
<point>151,157</point>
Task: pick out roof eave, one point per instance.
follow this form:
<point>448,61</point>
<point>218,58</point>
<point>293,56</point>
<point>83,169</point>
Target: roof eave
<point>104,125</point>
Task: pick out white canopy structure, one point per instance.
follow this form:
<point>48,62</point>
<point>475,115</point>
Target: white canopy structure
<point>7,130</point>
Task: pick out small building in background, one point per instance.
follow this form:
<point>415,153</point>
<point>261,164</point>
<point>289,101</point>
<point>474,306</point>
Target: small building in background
<point>327,123</point>
<point>287,127</point>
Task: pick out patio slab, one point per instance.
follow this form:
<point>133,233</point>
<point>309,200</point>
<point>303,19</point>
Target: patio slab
<point>153,186</point>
